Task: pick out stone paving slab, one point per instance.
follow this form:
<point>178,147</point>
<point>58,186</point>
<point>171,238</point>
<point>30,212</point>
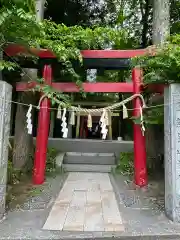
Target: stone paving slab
<point>86,203</point>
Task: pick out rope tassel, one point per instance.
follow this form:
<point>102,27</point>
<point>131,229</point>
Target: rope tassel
<point>89,122</point>
<point>103,122</point>
<point>106,118</point>
<point>64,124</point>
<point>29,123</point>
<point>72,118</point>
<point>64,116</point>
<point>59,112</point>
<point>102,116</point>
<point>125,112</point>
<point>109,118</point>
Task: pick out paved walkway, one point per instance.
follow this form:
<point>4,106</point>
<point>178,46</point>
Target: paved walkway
<point>85,203</point>
<point>142,213</point>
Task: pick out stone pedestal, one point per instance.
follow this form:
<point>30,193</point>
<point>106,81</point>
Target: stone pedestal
<point>172,151</point>
<point>5,112</point>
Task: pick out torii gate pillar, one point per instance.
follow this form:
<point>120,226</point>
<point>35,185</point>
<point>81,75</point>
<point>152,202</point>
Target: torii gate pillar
<point>42,133</point>
<point>140,168</point>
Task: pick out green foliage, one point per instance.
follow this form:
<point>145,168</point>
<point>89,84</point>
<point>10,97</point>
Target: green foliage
<point>175,16</point>
<point>52,94</point>
<point>164,67</point>
<point>51,160</point>
<point>27,5</point>
<point>13,175</point>
<point>18,24</point>
<point>155,116</point>
<point>152,116</point>
<point>66,42</point>
<point>125,164</point>
<point>7,65</point>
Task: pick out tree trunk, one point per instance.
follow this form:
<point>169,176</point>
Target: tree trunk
<point>145,17</point>
<point>40,10</point>
<point>160,33</point>
<point>23,142</point>
<point>161,21</point>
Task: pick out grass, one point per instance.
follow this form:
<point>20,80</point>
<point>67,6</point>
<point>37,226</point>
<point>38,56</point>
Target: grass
<point>125,164</point>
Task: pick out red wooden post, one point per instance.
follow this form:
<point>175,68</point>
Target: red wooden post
<point>42,133</point>
<point>140,169</point>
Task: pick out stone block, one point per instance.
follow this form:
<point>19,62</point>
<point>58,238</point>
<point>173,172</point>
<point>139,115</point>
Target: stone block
<point>172,151</point>
<point>5,112</point>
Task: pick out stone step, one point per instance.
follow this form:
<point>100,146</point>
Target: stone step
<point>90,145</point>
<point>59,159</point>
<point>89,158</point>
<point>88,168</point>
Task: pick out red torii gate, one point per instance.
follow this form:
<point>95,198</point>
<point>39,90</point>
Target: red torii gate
<point>140,169</point>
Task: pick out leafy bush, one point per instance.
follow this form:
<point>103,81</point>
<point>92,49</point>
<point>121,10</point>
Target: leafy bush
<point>151,116</point>
<point>125,165</point>
<point>164,67</point>
<point>13,175</point>
<point>51,160</point>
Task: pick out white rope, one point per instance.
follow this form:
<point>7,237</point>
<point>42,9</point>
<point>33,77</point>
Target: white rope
<point>142,121</point>
<point>59,113</point>
<point>89,110</point>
